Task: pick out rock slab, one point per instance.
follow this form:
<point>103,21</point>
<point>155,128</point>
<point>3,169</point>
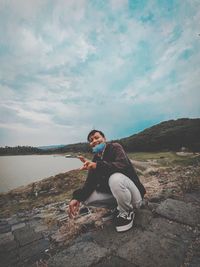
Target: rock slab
<point>164,244</point>
<point>82,254</point>
<point>21,246</point>
<point>179,211</point>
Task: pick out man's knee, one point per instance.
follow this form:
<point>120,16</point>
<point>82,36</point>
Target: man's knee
<point>115,181</point>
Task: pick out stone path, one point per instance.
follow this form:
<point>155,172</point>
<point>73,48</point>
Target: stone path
<point>164,235</point>
<point>20,244</point>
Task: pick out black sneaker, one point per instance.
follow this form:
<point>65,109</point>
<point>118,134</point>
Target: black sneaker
<point>124,221</point>
<point>84,211</point>
<point>111,214</point>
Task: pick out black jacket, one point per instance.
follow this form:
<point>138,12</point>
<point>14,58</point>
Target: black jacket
<point>114,160</point>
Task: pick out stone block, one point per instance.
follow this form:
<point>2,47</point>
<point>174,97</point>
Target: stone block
<point>26,235</point>
<point>110,239</point>
<point>3,222</point>
<point>193,196</point>
<point>41,228</point>
<point>9,258</point>
<point>13,220</point>
<point>81,254</point>
<point>179,211</point>
<point>8,245</point>
<point>113,261</point>
<point>164,227</point>
<point>6,237</point>
<point>18,226</point>
<point>5,228</point>
<point>8,252</point>
<point>34,249</point>
<point>163,245</point>
<point>143,218</point>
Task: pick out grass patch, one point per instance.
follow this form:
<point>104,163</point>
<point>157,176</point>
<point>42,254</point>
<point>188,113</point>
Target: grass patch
<point>186,161</point>
<point>166,158</point>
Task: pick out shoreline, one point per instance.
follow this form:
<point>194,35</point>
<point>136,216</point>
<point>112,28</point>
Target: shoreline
<point>23,188</point>
<point>20,176</point>
<point>42,192</point>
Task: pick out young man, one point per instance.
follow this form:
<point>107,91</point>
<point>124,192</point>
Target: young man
<point>111,181</point>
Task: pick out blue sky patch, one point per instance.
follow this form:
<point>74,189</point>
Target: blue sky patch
<point>118,65</point>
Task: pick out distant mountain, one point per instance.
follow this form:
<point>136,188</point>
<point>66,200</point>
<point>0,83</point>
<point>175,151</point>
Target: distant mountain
<point>50,147</point>
<point>172,135</point>
<point>19,150</point>
<point>169,135</point>
<point>78,147</point>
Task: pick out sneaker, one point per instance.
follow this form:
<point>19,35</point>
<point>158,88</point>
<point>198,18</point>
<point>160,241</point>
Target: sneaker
<point>84,211</point>
<point>111,214</point>
<point>124,221</point>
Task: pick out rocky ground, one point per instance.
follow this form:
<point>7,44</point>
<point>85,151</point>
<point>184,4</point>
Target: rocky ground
<point>36,231</point>
<point>164,234</point>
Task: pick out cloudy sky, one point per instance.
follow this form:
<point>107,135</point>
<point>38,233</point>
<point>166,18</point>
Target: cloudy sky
<point>121,66</point>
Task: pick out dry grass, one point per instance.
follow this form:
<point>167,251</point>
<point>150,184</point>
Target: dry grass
<point>73,227</point>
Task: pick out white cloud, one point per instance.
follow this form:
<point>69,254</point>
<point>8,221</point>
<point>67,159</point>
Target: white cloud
<point>6,93</point>
<point>118,4</point>
<point>30,44</point>
<point>72,65</point>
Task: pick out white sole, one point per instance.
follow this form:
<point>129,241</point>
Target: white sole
<point>124,227</point>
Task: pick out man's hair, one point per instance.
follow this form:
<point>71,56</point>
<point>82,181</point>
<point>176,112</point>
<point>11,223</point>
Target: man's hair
<point>93,132</point>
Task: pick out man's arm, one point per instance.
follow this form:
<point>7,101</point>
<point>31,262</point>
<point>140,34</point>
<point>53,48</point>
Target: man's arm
<point>83,193</point>
<point>89,186</point>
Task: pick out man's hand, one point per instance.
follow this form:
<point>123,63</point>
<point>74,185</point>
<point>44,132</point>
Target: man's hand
<point>87,164</point>
<point>82,159</point>
<point>73,208</point>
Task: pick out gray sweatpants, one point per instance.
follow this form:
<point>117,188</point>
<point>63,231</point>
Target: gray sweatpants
<point>125,195</point>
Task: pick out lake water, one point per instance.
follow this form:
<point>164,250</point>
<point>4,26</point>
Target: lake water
<point>22,170</point>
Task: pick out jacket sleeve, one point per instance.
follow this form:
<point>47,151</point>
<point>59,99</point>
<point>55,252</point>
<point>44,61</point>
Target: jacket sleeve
<point>89,186</point>
<point>118,163</point>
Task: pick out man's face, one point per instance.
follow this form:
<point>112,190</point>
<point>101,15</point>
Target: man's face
<point>96,139</point>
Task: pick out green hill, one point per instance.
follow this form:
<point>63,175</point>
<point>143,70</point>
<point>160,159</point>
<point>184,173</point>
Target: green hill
<point>169,135</point>
<point>172,135</point>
